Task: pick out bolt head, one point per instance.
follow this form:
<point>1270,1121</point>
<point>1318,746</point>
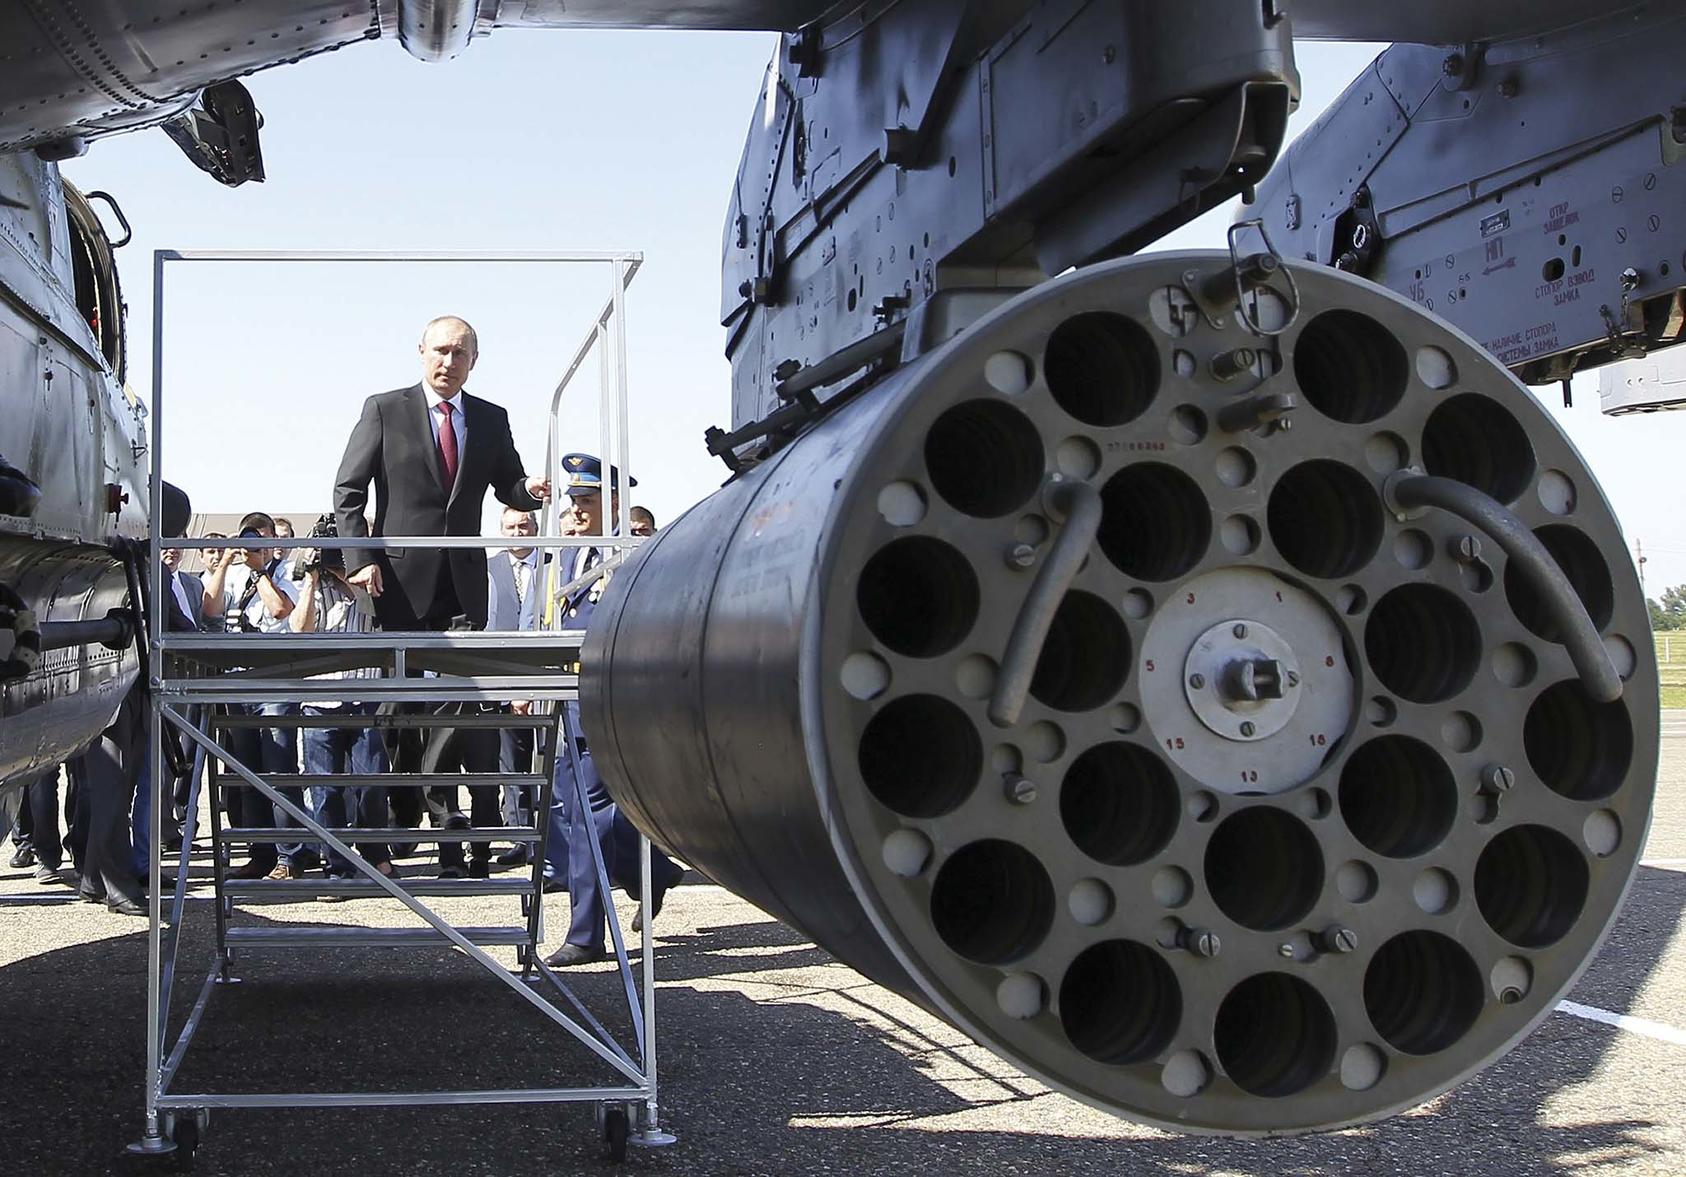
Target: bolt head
<point>1020,790</point>
<point>1197,681</point>
<point>1293,678</point>
<point>1285,950</point>
<point>1247,728</point>
<point>1205,944</point>
<point>1342,940</point>
<point>1498,778</point>
<point>1240,630</point>
<point>1021,556</point>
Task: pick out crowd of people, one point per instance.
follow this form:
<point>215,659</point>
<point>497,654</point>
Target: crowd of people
<point>431,451</point>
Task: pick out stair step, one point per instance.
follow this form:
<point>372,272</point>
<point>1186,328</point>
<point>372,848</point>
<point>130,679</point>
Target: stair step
<point>402,834</point>
<point>305,890</point>
<point>318,936</point>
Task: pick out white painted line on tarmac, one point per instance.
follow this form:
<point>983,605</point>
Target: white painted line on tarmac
<point>1644,1026</point>
<point>1665,863</point>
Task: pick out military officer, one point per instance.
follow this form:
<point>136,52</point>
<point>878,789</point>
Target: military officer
<point>569,853</point>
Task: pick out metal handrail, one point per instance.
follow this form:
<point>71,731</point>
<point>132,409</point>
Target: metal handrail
<point>548,682</point>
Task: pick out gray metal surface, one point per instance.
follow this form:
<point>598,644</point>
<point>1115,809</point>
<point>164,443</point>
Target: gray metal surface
<point>67,424</point>
<point>287,890</point>
<point>365,834</point>
<point>1171,939</point>
<point>82,69</point>
<point>1643,385</point>
<point>1524,189</point>
<point>1441,22</point>
<point>925,151</point>
<point>318,936</point>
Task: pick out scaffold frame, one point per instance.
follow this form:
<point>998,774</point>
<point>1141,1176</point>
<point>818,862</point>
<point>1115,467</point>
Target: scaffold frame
<point>186,690</point>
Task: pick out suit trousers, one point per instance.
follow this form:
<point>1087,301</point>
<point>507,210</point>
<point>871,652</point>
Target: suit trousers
<point>106,775</point>
<point>515,755</point>
<point>409,748</point>
<point>76,819</point>
<point>35,822</point>
<point>468,750</point>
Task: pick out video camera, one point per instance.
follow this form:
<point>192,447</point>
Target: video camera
<point>316,559</point>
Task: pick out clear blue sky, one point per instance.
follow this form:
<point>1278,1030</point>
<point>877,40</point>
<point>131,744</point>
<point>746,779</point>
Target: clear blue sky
<point>530,140</point>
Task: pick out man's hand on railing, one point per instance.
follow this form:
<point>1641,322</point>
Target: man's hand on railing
<point>367,578</point>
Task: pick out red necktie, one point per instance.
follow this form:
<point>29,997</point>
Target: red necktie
<point>447,446</point>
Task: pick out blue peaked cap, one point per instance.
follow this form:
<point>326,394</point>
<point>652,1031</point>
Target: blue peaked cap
<point>584,474</point>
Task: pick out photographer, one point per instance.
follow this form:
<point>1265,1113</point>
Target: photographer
<point>261,599</point>
<point>244,591</point>
<point>331,604</point>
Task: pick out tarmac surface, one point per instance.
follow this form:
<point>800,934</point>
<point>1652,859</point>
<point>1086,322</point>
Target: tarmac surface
<point>774,1058</point>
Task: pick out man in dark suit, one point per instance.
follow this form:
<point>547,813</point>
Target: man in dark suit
<point>432,452</point>
<point>108,772</point>
<point>514,584</point>
<point>184,599</point>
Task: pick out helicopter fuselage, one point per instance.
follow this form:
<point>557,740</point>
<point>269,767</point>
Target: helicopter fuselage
<point>73,430</point>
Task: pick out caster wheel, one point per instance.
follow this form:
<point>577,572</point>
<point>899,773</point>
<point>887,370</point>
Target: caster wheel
<point>616,1128</point>
<point>186,1137</point>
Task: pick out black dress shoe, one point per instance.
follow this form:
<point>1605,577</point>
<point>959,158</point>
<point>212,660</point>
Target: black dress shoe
<point>516,856</point>
<point>655,910</point>
<point>90,896</point>
<point>479,868</point>
<point>552,886</point>
<point>452,868</point>
<point>22,857</point>
<point>126,907</point>
<point>573,954</point>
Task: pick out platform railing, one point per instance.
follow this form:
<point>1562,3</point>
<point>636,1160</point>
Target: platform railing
<point>192,678</point>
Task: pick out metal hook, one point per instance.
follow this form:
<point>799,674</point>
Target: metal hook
<point>1250,320</point>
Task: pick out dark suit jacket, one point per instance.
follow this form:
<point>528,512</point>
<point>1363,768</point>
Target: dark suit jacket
<point>175,620</point>
<point>393,447</point>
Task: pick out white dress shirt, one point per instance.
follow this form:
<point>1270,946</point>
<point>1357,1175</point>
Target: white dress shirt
<point>436,418</point>
<point>521,571</point>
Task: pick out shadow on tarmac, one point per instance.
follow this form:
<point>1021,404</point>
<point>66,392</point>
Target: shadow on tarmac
<point>750,1087</point>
